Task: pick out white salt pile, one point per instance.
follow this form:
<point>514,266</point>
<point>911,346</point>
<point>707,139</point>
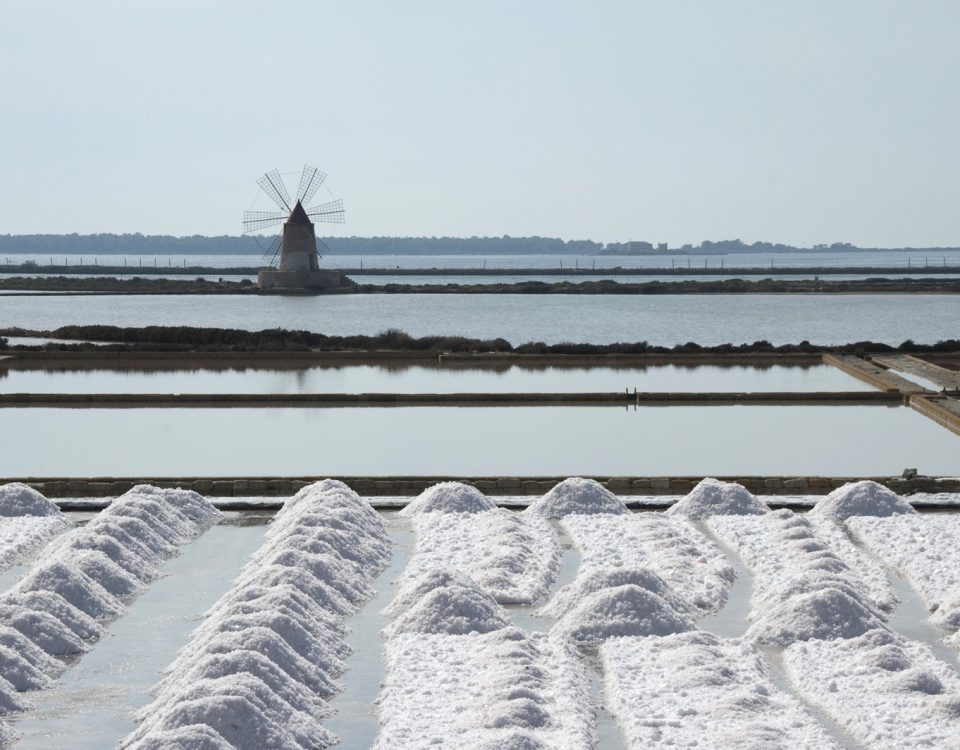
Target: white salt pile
<point>715,498</point>
<point>90,574</point>
<point>887,692</point>
<point>449,497</point>
<point>512,556</point>
<point>18,500</point>
<point>925,550</point>
<point>864,498</point>
<point>591,581</point>
<point>693,566</point>
<point>696,689</point>
<point>27,520</point>
<point>801,589</point>
<point>442,603</point>
<point>620,611</point>
<point>577,495</point>
<point>504,689</point>
<point>258,671</point>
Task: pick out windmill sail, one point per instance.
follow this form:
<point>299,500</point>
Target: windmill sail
<point>310,181</point>
<point>273,186</point>
<point>331,213</point>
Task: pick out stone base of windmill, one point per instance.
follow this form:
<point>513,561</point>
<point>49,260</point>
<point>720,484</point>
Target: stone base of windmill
<point>294,281</point>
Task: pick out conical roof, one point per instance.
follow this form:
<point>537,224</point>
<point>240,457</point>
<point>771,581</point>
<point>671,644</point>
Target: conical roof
<point>298,215</point>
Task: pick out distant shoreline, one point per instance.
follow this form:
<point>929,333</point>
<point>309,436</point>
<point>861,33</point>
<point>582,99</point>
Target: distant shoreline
<point>22,286</point>
<point>130,272</point>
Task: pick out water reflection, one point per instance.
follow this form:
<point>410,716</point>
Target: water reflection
<point>402,377</point>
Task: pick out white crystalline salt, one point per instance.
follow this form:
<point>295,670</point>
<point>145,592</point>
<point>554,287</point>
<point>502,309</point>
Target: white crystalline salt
<point>512,556</point>
<point>454,609</point>
<point>823,613</point>
<point>886,691</point>
<point>449,497</point>
<point>18,671</point>
<point>303,729</point>
<point>19,537</point>
<point>187,503</point>
<point>193,737</point>
<point>83,626</point>
<point>259,667</point>
<point>43,629</point>
<point>115,547</point>
<point>17,499</point>
<point>10,702</point>
<point>577,495</point>
<point>26,650</point>
<point>282,598</point>
<point>864,498</point>
<point>620,611</point>
<point>693,566</point>
<point>73,585</point>
<point>801,588</point>
<point>240,661</point>
<point>331,569</point>
<point>712,497</point>
<point>145,533</point>
<point>503,689</point>
<point>695,689</point>
<point>239,720</point>
<point>115,580</point>
<point>590,581</point>
<point>412,588</point>
<point>922,548</point>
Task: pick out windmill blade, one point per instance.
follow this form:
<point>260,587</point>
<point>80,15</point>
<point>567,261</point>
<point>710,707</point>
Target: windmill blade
<point>322,248</point>
<point>273,186</point>
<point>331,212</point>
<point>272,251</point>
<point>310,181</point>
<point>255,220</point>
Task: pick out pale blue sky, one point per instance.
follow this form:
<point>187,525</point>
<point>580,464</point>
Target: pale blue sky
<point>795,121</point>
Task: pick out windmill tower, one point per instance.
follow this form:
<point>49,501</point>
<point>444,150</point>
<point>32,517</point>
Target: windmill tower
<point>296,246</point>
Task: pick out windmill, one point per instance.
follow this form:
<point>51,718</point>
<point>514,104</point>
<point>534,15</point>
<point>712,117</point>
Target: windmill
<point>297,246</point>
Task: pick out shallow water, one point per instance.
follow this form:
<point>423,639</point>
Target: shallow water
<point>430,379</point>
<point>666,319</point>
<point>356,722</point>
<point>475,441</point>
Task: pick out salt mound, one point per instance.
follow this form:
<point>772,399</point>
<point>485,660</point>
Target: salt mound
<point>21,673</point>
<point>513,741</point>
<point>864,498</point>
<point>84,626</point>
<point>577,495</point>
<point>73,585</point>
<point>43,629</point>
<point>715,498</point>
<point>193,737</point>
<point>236,718</point>
<point>413,588</point>
<point>624,610</point>
<point>592,581</point>
<point>188,503</point>
<point>449,497</point>
<point>825,614</point>
<point>454,609</point>
<point>17,499</point>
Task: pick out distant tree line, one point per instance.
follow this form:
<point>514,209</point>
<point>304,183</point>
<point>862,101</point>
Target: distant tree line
<point>140,244</point>
<point>189,338</point>
<point>154,245</point>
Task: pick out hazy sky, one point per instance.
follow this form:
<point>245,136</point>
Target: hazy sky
<point>796,121</point>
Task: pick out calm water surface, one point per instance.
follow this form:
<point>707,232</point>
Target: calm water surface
<point>658,319</point>
<point>432,379</point>
<point>675,440</point>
